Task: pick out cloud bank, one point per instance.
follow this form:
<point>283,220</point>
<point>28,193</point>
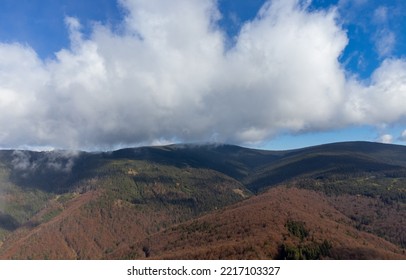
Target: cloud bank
<point>59,161</point>
<point>168,75</point>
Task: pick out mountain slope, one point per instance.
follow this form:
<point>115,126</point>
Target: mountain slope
<point>125,201</point>
<point>267,227</point>
<point>113,204</point>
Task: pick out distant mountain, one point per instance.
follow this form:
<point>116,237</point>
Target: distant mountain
<point>341,200</point>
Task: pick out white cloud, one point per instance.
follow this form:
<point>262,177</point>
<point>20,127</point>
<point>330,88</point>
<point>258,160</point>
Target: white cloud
<point>376,23</point>
<point>381,101</point>
<point>381,15</point>
<point>386,139</point>
<point>384,38</point>
<point>61,161</point>
<point>168,75</point>
<point>403,135</point>
<point>385,41</point>
<point>22,161</point>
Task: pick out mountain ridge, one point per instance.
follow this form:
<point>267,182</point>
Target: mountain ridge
<point>45,195</point>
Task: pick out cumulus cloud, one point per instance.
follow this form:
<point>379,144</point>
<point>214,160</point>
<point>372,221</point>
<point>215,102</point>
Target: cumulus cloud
<point>386,138</point>
<point>169,75</point>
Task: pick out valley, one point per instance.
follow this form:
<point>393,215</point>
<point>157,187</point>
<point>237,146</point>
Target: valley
<point>335,201</point>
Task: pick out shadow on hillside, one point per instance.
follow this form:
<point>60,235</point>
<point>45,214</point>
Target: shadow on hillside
<point>233,161</point>
<point>7,222</point>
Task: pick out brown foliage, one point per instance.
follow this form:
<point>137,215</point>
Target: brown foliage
<point>92,227</point>
<point>256,228</point>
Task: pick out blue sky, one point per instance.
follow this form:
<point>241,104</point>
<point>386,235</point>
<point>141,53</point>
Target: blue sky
<point>40,23</point>
<point>362,41</point>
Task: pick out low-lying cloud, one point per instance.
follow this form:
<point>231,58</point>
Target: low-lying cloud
<point>169,75</point>
<point>403,136</point>
<point>386,138</point>
<point>28,162</point>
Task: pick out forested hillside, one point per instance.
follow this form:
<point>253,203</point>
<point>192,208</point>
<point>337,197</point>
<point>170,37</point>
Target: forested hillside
<point>335,201</point>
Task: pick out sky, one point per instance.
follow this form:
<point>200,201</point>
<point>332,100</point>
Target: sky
<point>279,74</point>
